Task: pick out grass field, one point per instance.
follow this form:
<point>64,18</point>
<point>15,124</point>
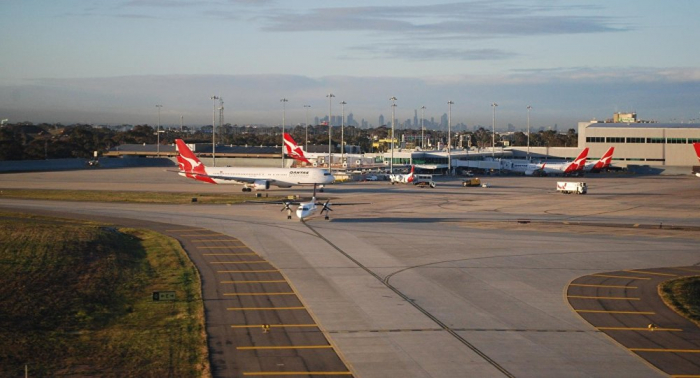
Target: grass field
<point>683,295</point>
<point>76,299</point>
<point>127,196</point>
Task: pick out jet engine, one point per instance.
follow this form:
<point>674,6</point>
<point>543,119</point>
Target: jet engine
<point>261,185</point>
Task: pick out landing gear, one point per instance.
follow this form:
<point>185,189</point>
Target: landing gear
<point>246,189</point>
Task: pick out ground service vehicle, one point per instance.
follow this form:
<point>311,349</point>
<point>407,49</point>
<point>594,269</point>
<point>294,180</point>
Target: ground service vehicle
<point>474,181</point>
<point>572,187</point>
<point>424,180</point>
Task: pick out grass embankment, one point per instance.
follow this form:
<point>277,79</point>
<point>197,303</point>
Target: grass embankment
<point>683,296</point>
<point>125,196</point>
<point>76,299</point>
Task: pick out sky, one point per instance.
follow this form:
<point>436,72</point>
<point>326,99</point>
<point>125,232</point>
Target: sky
<point>112,61</point>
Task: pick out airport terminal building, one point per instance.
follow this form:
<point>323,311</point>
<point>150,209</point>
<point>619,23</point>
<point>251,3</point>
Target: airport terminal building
<point>653,144</point>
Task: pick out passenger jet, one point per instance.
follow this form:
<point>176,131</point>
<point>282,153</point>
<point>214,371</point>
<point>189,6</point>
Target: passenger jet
<point>403,179</point>
<point>250,177</point>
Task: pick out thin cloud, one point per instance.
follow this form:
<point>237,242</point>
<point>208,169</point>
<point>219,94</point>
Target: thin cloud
<point>476,19</point>
<point>414,53</point>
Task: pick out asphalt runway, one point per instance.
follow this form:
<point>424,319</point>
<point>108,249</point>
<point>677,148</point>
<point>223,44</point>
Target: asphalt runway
<point>444,282</point>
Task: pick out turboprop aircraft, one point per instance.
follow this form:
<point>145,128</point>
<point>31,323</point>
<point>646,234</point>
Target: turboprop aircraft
<point>250,177</point>
<point>309,208</point>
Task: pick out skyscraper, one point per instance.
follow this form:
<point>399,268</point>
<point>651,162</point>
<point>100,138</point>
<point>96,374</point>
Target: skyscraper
<point>381,120</point>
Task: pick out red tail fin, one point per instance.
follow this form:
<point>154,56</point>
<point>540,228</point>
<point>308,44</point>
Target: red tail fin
<point>579,163</point>
<point>189,164</point>
<point>605,161</point>
<point>294,151</point>
<point>697,149</point>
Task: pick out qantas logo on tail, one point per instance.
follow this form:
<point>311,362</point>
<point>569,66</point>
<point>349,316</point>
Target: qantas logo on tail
<point>189,164</point>
<point>696,146</point>
<point>605,161</point>
<point>409,178</point>
<point>292,150</point>
<point>579,163</point>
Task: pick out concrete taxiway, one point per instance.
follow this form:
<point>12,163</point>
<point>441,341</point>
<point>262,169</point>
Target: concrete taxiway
<point>444,282</point>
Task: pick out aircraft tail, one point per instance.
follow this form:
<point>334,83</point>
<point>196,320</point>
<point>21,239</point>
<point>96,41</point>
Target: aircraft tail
<point>579,163</point>
<point>409,178</point>
<point>189,164</point>
<point>604,161</point>
<point>696,146</point>
<point>293,150</point>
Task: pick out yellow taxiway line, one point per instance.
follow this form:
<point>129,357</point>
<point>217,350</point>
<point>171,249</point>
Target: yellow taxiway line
<point>639,329</point>
<point>287,373</point>
<point>652,273</point>
<point>624,277</point>
<point>285,347</point>
<point>608,286</point>
<point>617,312</point>
<point>611,298</point>
<point>274,325</point>
<point>241,294</point>
<point>248,271</point>
<point>264,308</point>
<point>665,350</point>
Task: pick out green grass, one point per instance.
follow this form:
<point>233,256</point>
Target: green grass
<point>127,196</point>
<point>683,295</point>
<point>76,300</point>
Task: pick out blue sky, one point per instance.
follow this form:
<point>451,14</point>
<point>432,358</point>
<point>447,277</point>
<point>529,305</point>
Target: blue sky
<point>113,61</point>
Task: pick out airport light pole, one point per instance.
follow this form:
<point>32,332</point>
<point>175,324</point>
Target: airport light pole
<point>422,128</point>
<point>330,128</point>
<point>181,127</point>
<point>528,132</point>
<point>158,132</point>
<point>493,132</point>
<point>306,148</point>
<point>342,132</point>
<point>449,136</point>
<point>213,132</point>
<point>284,116</point>
<point>393,121</point>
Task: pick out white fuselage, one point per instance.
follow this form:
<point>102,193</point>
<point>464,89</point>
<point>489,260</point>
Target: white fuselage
<point>281,177</point>
<point>527,168</point>
<point>306,209</point>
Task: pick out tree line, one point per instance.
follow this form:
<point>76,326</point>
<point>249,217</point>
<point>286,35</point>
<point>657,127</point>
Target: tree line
<point>26,141</point>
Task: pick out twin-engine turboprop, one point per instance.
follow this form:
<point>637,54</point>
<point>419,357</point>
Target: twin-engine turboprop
<point>309,208</point>
<point>250,177</point>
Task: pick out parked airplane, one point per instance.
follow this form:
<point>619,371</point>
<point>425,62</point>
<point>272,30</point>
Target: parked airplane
<point>250,177</point>
<point>309,208</point>
<point>529,169</point>
<point>293,150</point>
<point>570,168</point>
<point>602,163</point>
<point>696,170</point>
<point>403,179</point>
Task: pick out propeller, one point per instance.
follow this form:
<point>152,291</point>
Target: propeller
<point>326,207</point>
<point>286,206</point>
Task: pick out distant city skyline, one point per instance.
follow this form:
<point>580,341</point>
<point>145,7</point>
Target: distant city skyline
<point>112,62</point>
